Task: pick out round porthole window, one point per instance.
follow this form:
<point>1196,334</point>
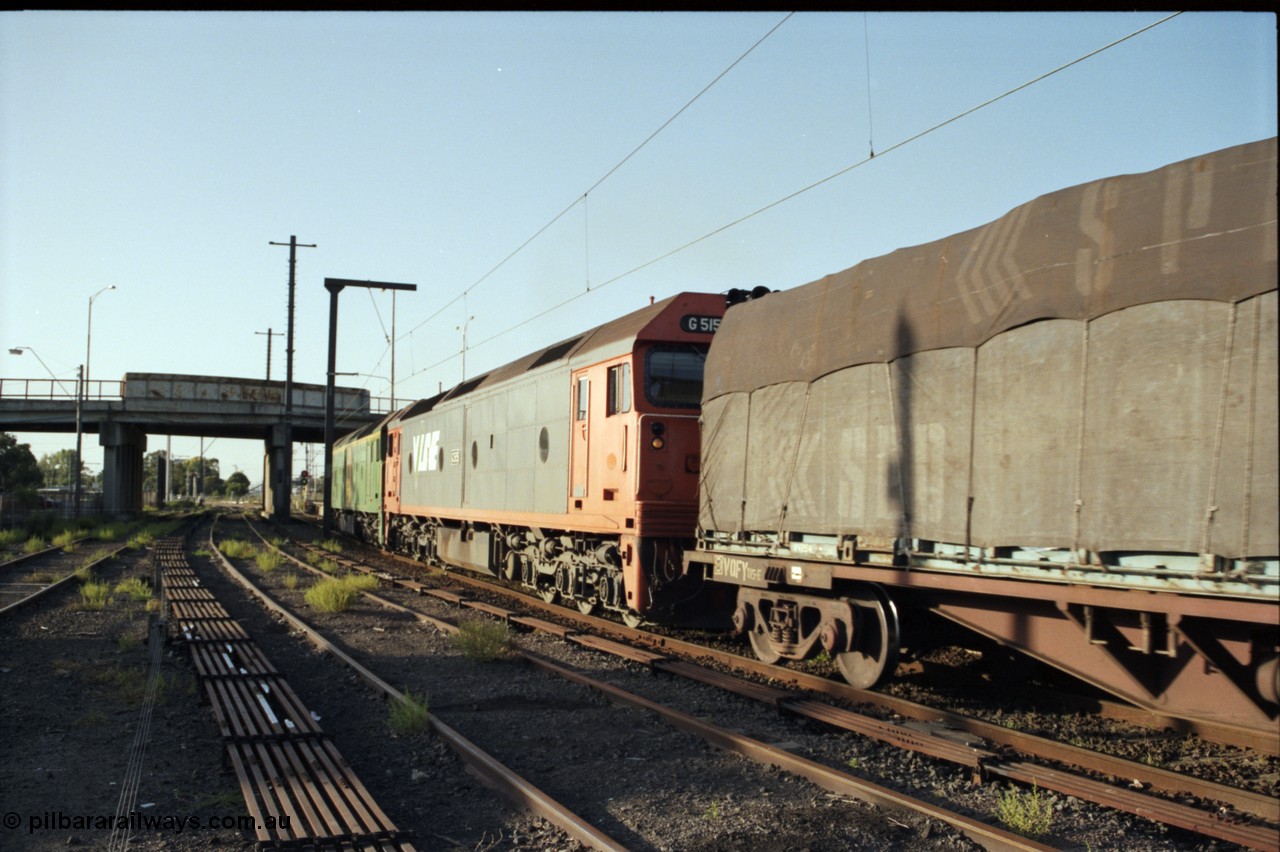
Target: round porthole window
<point>544,444</point>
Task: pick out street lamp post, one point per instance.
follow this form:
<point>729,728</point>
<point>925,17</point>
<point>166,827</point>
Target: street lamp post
<point>79,432</point>
<point>18,350</point>
<point>88,336</point>
<point>463,328</point>
<point>82,388</point>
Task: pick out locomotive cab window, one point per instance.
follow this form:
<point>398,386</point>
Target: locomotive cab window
<point>619,390</point>
<point>673,375</point>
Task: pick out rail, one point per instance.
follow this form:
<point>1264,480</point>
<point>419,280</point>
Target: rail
<point>1189,817</point>
<point>296,785</point>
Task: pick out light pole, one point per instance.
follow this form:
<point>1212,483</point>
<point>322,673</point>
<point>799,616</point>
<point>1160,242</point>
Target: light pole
<point>463,328</point>
<point>83,387</point>
<point>18,350</point>
<point>88,336</point>
<point>79,432</point>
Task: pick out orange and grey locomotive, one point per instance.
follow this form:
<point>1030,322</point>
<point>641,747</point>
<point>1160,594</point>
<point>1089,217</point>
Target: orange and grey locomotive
<point>573,470</point>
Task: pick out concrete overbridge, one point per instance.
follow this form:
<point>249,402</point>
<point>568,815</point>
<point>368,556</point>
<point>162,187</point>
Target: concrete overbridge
<point>124,413</point>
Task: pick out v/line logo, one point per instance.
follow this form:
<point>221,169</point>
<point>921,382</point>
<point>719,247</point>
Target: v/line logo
<point>426,451</point>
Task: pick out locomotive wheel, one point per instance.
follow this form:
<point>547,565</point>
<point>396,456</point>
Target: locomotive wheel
<point>874,656</point>
<point>761,644</point>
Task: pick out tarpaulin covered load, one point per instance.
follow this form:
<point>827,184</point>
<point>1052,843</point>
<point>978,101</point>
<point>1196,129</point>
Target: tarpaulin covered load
<point>1094,370</point>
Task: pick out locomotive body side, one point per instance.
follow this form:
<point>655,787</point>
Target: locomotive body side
<point>1057,429</point>
<point>573,470</point>
<point>356,493</point>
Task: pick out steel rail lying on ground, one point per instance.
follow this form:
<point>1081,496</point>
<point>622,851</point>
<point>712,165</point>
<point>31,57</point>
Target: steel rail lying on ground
<point>508,783</point>
<point>297,786</point>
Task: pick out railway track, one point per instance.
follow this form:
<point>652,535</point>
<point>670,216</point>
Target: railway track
<point>28,578</point>
<point>1224,812</point>
<point>644,745</point>
<point>938,735</point>
<point>511,784</point>
<point>296,785</point>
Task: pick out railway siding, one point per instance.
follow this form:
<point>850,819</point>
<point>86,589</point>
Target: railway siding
<point>296,784</point>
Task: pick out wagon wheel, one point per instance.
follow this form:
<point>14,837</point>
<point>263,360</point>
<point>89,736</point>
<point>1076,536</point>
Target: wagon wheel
<point>874,655</point>
<point>632,619</point>
<point>548,593</point>
<point>585,606</point>
<point>763,645</point>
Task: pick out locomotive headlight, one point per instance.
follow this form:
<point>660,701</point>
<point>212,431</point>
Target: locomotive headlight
<point>658,430</point>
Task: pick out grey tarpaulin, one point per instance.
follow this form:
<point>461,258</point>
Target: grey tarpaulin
<point>1095,369</point>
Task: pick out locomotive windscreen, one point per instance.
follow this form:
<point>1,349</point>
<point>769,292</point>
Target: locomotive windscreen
<point>673,375</point>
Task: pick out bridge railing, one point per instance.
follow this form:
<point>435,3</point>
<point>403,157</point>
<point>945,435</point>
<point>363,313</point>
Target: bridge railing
<point>98,389</point>
<point>59,389</point>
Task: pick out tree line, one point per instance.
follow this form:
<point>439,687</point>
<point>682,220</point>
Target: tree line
<point>22,475</point>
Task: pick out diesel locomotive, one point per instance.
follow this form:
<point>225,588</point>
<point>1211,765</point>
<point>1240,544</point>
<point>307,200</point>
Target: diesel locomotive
<point>1057,430</point>
<point>573,470</point>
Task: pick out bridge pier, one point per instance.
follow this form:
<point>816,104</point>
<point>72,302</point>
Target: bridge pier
<point>277,475</point>
<point>123,448</point>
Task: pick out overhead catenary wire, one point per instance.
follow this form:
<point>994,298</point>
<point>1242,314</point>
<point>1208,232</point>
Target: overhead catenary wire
<point>581,198</point>
<point>797,193</point>
<point>767,207</point>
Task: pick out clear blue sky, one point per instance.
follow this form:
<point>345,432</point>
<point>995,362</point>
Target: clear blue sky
<point>162,152</point>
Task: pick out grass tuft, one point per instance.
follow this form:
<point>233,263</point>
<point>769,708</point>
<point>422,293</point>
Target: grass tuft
<point>336,594</point>
<point>95,595</point>
<point>134,588</point>
<point>268,561</point>
<point>482,640</point>
<point>236,548</point>
<point>408,716</point>
<point>1025,812</point>
<point>142,540</point>
<point>66,540</point>
<point>35,544</point>
<point>11,536</point>
<point>332,545</point>
<point>291,581</point>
